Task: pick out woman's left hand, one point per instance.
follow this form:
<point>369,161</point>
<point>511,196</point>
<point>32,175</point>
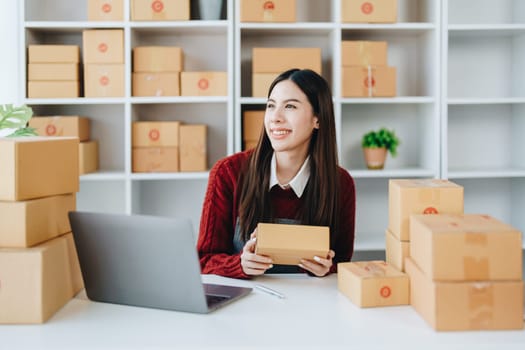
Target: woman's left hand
<point>318,266</point>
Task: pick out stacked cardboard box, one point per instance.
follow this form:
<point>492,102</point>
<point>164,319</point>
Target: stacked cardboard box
<point>252,123</point>
<point>204,83</point>
<point>365,69</point>
<point>160,10</point>
<point>268,63</point>
<point>105,10</point>
<point>75,126</point>
<point>268,11</point>
<point>103,53</point>
<point>156,70</point>
<point>38,262</point>
<point>53,71</point>
<point>368,11</point>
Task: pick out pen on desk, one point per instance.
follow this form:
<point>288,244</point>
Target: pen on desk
<point>269,291</point>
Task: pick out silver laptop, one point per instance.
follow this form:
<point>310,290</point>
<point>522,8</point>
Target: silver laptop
<point>144,261</point>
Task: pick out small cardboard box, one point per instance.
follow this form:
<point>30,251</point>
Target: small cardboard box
<point>288,244</point>
<point>75,126</point>
<point>105,10</point>
<point>103,45</point>
<point>52,71</point>
<point>149,59</point>
<point>204,83</point>
<point>155,134</point>
<point>373,283</point>
<point>461,306</point>
<point>363,53</point>
<point>470,247</point>
<point>252,123</point>
<point>268,11</point>
<point>261,83</point>
<point>193,147</point>
<point>53,89</point>
<point>280,59</point>
<point>104,80</point>
<point>36,282</point>
<point>368,11</point>
<point>396,251</point>
<point>160,10</point>
<point>28,223</point>
<point>53,54</point>
<point>156,84</point>
<point>155,159</point>
<point>34,167</point>
<point>420,196</point>
<point>88,157</point>
<point>376,81</point>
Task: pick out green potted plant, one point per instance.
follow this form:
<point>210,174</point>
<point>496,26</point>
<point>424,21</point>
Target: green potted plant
<point>13,121</point>
<point>376,144</point>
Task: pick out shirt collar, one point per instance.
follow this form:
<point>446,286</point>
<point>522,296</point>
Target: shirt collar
<point>298,183</point>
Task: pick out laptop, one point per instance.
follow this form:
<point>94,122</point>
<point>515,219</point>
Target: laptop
<point>144,261</point>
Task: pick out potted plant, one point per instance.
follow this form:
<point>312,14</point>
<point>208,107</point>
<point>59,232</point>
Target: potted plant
<point>13,121</point>
<point>375,146</point>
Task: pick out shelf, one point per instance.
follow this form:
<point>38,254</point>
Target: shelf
<point>494,30</point>
<point>398,28</point>
<point>103,176</point>
<point>74,26</point>
<point>389,100</point>
<point>170,176</point>
<point>486,101</point>
<point>298,27</point>
<point>485,173</point>
<point>179,99</point>
<point>392,173</point>
<point>76,101</point>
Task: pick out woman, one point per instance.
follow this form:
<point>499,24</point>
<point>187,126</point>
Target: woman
<point>292,176</point>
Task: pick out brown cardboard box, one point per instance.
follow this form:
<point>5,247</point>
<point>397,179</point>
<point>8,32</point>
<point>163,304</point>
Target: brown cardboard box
<point>52,71</point>
<point>396,251</point>
<point>268,11</point>
<point>459,306</point>
<point>87,157</point>
<point>364,53</point>
<point>156,84</point>
<point>252,123</point>
<point>104,80</point>
<point>155,159</point>
<point>155,134</point>
<point>452,247</point>
<point>204,83</point>
<point>193,147</point>
<point>75,126</point>
<point>27,223</point>
<point>377,81</point>
<point>261,83</point>
<point>368,11</point>
<point>288,244</point>
<point>38,281</point>
<point>34,167</point>
<point>54,54</point>
<point>249,144</point>
<point>148,59</point>
<point>103,45</point>
<point>105,10</point>
<point>279,59</point>
<point>53,89</point>
<point>160,10</point>
<point>372,283</point>
<point>420,196</point>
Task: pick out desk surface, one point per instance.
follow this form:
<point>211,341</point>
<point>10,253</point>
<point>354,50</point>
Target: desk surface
<point>313,315</point>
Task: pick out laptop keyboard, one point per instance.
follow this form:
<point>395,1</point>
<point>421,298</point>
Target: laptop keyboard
<point>212,299</point>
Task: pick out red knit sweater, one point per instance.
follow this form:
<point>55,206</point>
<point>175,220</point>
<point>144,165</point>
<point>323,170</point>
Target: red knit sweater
<point>220,211</point>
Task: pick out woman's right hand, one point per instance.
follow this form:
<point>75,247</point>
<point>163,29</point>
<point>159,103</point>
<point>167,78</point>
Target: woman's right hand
<point>251,263</point>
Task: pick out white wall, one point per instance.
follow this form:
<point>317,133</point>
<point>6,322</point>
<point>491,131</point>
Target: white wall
<point>10,55</point>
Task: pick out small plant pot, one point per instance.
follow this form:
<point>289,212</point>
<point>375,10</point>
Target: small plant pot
<point>375,157</point>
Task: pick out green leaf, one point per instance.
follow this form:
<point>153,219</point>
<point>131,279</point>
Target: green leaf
<point>381,138</point>
<point>16,118</point>
<point>24,132</point>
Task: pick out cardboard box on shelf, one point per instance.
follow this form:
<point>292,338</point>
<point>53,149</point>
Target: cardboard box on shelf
<point>373,283</point>
<point>280,59</point>
<point>155,159</point>
<point>75,126</point>
<point>466,305</point>
<point>52,71</point>
<point>156,84</point>
<point>104,80</point>
<point>252,123</point>
<point>105,10</point>
<point>160,10</point>
<point>420,196</point>
<point>28,223</point>
<point>288,244</point>
<point>471,247</point>
<point>38,281</point>
<point>268,11</point>
<point>149,59</point>
<point>53,89</point>
<point>364,53</point>
<point>204,83</point>
<point>261,83</point>
<point>368,11</point>
<point>35,166</point>
<point>371,81</point>
<point>88,157</point>
<point>396,251</point>
<point>53,54</point>
<point>155,134</point>
<point>103,46</point>
<point>193,147</point>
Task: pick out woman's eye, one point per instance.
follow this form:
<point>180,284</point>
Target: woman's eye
<point>269,105</point>
<point>289,106</point>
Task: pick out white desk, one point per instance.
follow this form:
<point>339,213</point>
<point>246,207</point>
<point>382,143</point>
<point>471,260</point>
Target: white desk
<point>314,315</point>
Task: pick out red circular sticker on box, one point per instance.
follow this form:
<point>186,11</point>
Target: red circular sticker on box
<point>157,6</point>
<point>104,80</point>
<point>102,47</point>
<point>203,84</point>
<point>269,5</point>
<point>51,130</point>
<point>385,291</point>
<point>154,135</point>
<point>106,8</point>
<point>369,82</point>
<point>367,8</point>
<point>430,210</point>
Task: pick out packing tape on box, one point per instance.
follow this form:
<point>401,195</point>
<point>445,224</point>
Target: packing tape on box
<point>476,267</point>
<point>364,53</point>
<point>374,269</point>
<point>370,81</point>
<point>481,304</point>
<point>429,195</point>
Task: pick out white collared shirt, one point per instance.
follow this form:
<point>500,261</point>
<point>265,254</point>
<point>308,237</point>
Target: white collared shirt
<point>298,183</point>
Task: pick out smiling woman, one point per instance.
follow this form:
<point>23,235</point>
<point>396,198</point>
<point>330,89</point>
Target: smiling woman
<point>292,176</point>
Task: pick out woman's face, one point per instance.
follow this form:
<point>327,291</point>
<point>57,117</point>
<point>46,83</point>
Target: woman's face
<point>289,119</point>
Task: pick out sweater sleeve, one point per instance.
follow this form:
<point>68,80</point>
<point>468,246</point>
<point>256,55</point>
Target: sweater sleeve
<point>215,243</point>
